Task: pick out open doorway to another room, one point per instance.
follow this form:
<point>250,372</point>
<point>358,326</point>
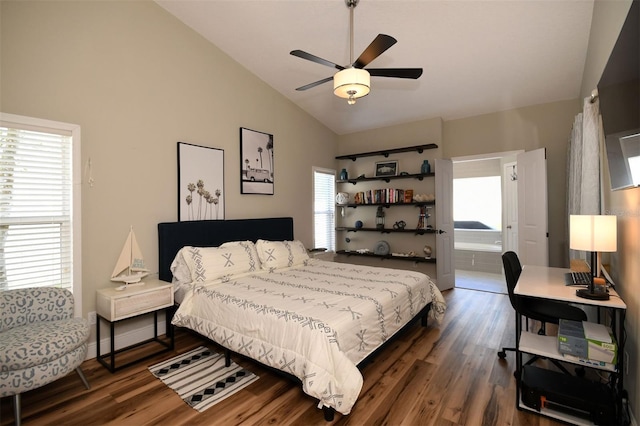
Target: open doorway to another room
<point>485,219</point>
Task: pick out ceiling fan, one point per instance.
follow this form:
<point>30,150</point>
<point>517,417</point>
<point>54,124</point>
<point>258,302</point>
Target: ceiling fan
<point>353,81</point>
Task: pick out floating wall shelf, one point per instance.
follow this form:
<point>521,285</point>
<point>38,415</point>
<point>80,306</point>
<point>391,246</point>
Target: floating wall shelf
<point>386,152</point>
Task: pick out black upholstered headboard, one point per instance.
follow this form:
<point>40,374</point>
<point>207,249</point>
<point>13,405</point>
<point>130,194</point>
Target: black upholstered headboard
<point>172,236</point>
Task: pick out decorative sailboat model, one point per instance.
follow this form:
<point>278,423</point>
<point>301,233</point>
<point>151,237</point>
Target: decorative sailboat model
<point>130,267</point>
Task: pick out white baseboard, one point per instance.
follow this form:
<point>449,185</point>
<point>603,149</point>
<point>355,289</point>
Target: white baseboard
<point>125,339</point>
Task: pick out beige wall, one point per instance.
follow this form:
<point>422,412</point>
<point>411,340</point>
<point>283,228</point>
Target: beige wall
<point>137,81</point>
<point>540,126</point>
<point>608,18</point>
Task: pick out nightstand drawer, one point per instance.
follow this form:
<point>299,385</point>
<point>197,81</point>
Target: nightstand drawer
<point>115,307</point>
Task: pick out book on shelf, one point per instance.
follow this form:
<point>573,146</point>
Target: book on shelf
<point>384,196</point>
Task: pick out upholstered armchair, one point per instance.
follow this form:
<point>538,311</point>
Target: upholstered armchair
<point>40,340</point>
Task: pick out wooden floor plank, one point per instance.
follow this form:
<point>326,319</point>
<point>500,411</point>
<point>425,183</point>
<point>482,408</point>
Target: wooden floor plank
<point>443,374</point>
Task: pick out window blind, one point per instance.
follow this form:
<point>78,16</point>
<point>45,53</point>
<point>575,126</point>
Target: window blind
<point>324,222</point>
<point>36,205</point>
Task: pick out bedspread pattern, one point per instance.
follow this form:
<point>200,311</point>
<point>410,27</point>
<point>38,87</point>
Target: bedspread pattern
<point>315,321</point>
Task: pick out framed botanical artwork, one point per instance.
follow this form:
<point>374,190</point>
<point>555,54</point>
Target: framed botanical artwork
<point>200,182</point>
<point>386,168</point>
<point>256,162</point>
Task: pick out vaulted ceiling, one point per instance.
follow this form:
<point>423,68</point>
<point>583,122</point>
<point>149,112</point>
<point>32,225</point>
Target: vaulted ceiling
<point>478,56</point>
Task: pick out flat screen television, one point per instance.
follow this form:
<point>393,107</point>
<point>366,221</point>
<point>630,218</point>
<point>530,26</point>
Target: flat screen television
<point>619,93</point>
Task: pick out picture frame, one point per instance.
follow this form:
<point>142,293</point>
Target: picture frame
<point>200,183</point>
<point>256,162</point>
<point>386,168</point>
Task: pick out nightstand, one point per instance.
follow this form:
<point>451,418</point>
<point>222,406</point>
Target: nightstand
<point>114,306</point>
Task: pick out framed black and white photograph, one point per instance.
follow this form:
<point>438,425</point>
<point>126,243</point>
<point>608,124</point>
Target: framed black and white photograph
<point>386,168</point>
<point>200,182</point>
<point>256,162</point>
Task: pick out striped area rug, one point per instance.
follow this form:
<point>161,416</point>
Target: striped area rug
<point>200,377</point>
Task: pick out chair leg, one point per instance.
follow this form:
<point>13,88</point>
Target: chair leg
<point>16,409</point>
<point>503,353</point>
<point>84,379</point>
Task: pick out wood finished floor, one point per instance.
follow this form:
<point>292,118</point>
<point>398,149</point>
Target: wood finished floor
<point>445,374</point>
<point>482,281</point>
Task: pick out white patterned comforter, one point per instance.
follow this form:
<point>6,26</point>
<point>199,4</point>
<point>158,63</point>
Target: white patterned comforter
<point>315,321</point>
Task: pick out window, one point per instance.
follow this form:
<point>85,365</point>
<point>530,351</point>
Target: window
<point>478,199</point>
<point>324,210</point>
<point>39,204</point>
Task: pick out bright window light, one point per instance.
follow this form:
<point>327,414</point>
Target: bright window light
<point>478,199</point>
<point>634,166</point>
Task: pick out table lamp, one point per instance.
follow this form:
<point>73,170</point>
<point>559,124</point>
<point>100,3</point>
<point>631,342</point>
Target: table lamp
<point>593,233</point>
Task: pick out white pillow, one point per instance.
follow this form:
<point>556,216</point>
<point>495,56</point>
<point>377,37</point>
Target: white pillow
<point>180,269</point>
<point>281,254</point>
<point>250,248</point>
<point>212,263</point>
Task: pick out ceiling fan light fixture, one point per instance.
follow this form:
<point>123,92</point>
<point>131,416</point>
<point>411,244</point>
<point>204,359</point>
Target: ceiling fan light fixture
<point>351,83</point>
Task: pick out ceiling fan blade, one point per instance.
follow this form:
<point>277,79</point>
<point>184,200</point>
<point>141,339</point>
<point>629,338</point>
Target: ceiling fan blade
<point>381,43</point>
<point>308,56</point>
<point>314,84</point>
<point>395,72</point>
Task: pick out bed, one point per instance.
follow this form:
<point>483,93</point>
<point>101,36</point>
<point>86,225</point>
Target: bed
<point>250,287</point>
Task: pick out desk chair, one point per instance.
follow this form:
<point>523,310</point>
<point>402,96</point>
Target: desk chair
<point>532,308</point>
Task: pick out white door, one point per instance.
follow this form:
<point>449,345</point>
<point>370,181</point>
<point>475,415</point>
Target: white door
<point>444,221</point>
<point>532,208</point>
<point>510,208</point>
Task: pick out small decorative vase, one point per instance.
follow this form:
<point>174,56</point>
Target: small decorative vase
<point>344,175</point>
<point>427,251</point>
<point>426,167</point>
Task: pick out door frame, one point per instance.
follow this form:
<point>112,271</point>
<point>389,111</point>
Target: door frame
<point>490,156</point>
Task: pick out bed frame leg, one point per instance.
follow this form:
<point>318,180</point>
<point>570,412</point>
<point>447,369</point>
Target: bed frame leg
<point>227,357</point>
<point>328,413</point>
<point>425,318</point>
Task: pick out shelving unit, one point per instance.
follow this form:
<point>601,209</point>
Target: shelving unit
<point>386,152</point>
<point>547,347</point>
<point>361,180</point>
<point>389,256</point>
<point>593,397</point>
<point>390,230</point>
<point>413,203</point>
<point>419,176</point>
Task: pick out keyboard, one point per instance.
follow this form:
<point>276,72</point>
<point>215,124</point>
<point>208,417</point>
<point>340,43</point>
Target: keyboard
<point>577,278</point>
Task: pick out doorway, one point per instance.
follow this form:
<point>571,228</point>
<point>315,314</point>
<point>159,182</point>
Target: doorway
<point>485,219</point>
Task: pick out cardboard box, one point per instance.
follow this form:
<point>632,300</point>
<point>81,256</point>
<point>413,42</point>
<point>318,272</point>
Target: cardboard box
<point>587,340</point>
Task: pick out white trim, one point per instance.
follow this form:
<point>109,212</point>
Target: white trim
<point>333,172</point>
<point>493,155</point>
<point>73,130</point>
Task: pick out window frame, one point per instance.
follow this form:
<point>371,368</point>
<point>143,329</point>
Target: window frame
<point>57,127</point>
<point>331,172</point>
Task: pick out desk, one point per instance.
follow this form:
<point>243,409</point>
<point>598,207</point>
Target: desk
<point>548,283</point>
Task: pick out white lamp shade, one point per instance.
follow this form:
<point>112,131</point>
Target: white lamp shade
<point>596,233</point>
<point>353,80</point>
